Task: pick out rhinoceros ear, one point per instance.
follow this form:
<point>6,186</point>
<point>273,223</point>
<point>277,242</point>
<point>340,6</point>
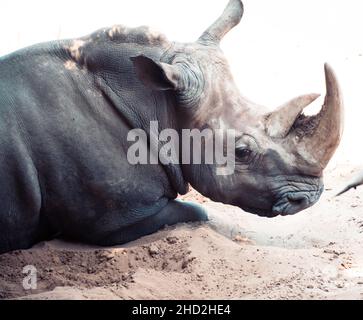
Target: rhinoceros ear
<point>156,75</point>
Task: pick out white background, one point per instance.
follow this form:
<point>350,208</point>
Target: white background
<point>277,52</point>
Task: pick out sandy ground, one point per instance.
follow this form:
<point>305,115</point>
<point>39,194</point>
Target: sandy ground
<point>317,254</point>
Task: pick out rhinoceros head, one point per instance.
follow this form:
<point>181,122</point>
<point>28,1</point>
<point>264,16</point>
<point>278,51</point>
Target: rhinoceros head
<point>279,156</point>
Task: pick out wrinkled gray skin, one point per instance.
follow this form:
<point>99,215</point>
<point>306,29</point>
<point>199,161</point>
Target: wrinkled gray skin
<point>66,108</point>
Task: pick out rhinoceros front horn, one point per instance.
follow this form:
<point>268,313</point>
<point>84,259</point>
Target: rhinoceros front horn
<point>315,137</point>
<point>327,127</point>
<point>231,17</point>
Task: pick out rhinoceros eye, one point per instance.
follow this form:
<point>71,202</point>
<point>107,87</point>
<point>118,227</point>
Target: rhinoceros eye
<point>243,154</point>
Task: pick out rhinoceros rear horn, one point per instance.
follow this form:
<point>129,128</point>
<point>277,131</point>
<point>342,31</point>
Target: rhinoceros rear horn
<point>280,122</point>
<point>231,17</point>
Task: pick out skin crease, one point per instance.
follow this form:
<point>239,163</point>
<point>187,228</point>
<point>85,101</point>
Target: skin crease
<point>66,108</point>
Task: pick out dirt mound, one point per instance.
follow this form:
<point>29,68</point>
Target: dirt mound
<point>60,264</point>
<point>187,262</point>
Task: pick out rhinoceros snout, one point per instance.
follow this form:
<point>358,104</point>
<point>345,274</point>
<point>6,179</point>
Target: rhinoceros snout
<point>294,202</point>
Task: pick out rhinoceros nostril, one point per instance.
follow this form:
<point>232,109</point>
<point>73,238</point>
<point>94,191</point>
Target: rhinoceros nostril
<point>298,200</point>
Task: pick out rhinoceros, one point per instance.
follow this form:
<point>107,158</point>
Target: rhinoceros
<point>353,184</point>
<point>67,107</point>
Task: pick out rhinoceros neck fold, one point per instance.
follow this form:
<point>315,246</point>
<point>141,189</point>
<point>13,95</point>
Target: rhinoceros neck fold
<point>134,103</point>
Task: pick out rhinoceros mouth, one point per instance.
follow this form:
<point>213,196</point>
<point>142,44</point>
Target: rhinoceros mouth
<point>288,204</point>
<point>294,202</point>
